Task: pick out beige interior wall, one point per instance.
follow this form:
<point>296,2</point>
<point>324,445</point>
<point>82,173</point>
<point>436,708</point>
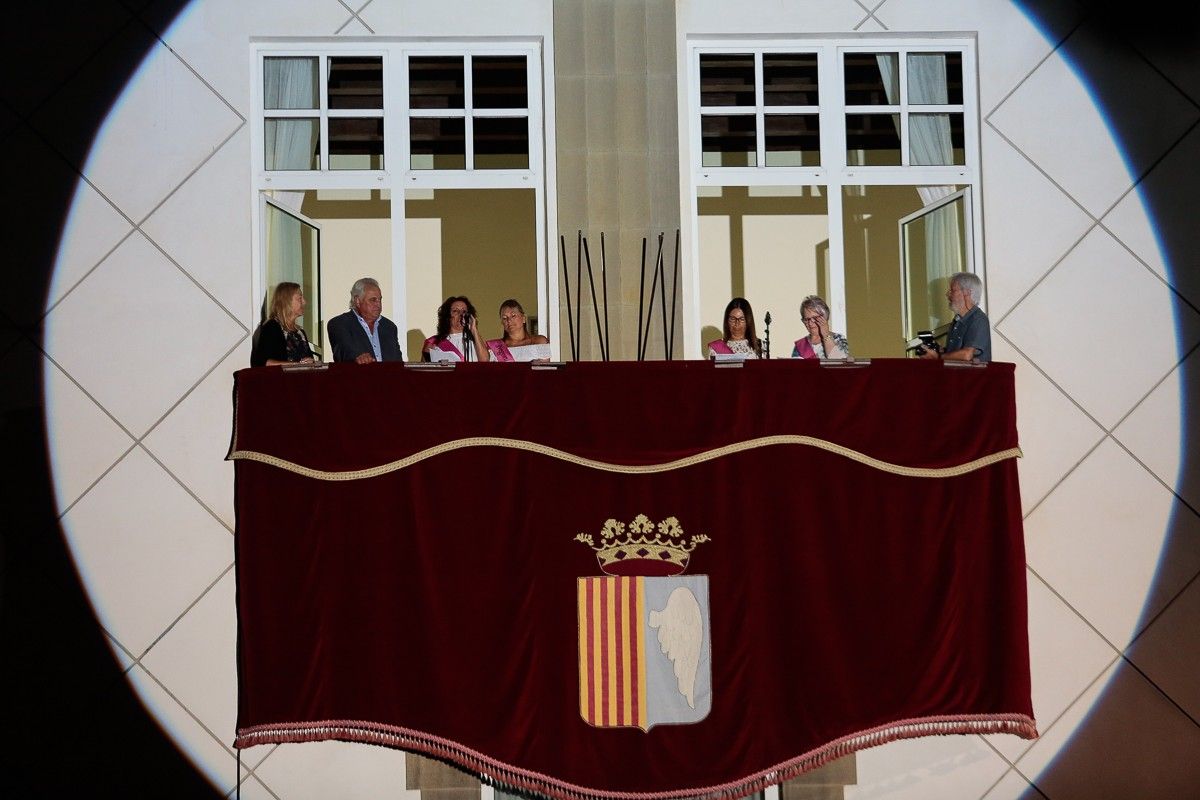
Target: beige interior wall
<point>617,156</point>
<point>766,244</point>
<point>356,242</point>
<point>480,243</point>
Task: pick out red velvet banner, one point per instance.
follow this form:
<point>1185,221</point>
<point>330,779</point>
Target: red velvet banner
<point>803,560</point>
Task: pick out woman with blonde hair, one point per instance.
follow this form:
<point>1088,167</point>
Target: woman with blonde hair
<point>279,340</point>
<point>516,332</point>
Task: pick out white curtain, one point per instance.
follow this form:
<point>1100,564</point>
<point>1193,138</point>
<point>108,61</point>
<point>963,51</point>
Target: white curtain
<point>929,134</point>
<point>289,83</point>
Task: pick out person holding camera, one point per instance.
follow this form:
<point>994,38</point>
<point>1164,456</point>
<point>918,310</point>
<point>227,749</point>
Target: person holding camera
<point>970,336</point>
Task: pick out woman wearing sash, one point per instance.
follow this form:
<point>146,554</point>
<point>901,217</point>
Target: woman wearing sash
<point>456,318</point>
<point>740,337</point>
<point>820,342</point>
<point>280,340</point>
<point>516,333</point>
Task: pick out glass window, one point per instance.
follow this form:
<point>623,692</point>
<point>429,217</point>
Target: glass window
<point>290,83</point>
<point>793,140</point>
<point>729,140</point>
<point>790,79</point>
<point>936,139</point>
<point>436,82</point>
<point>501,142</point>
<point>356,82</point>
<point>873,140</point>
<point>356,143</point>
<point>726,80</point>
<point>291,144</point>
<point>935,79</point>
<point>438,143</point>
<point>872,79</point>
<point>499,82</point>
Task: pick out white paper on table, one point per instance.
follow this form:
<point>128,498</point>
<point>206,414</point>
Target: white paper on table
<point>437,355</point>
<point>530,352</point>
<point>730,356</point>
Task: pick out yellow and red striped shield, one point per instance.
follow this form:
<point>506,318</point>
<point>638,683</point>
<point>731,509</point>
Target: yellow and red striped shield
<point>644,650</point>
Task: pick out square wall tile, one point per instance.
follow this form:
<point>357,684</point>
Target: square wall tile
<point>193,439</point>
<point>144,549</point>
<point>138,334</point>
<point>93,229</point>
<point>1013,786</point>
<point>1121,739</point>
<point>1099,538</point>
<point>1060,117</point>
<point>1168,652</point>
<point>210,239</point>
<point>215,762</point>
<point>1102,327</point>
<point>1018,244</point>
<point>159,133</point>
<point>1156,222</point>
<point>1065,656</point>
<point>1054,433</point>
<point>82,440</point>
<point>197,661</point>
<point>1161,436</point>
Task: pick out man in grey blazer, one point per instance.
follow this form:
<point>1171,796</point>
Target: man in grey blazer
<point>363,334</point>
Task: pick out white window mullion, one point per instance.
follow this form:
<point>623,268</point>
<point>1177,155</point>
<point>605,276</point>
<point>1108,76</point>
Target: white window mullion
<point>902,74</point>
<point>468,111</point>
<point>760,117</point>
<point>323,106</point>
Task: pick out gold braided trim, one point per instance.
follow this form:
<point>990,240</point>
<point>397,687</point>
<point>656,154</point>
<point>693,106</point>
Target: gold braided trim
<point>625,469</point>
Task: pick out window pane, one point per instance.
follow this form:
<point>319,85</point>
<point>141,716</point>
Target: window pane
<point>499,82</point>
<point>793,140</point>
<point>727,80</point>
<point>356,82</point>
<point>436,82</point>
<point>873,140</point>
<point>291,144</point>
<point>356,143</point>
<point>872,79</point>
<point>438,143</point>
<point>501,143</point>
<point>790,79</point>
<point>935,78</point>
<point>935,139</point>
<point>728,141</point>
<point>290,83</point>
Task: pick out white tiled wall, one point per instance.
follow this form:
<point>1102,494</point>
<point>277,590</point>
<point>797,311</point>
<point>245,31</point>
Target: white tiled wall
<point>1081,298</point>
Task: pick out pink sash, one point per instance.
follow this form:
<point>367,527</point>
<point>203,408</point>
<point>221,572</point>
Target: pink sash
<point>444,344</point>
<point>804,348</point>
<point>500,351</point>
<point>719,346</point>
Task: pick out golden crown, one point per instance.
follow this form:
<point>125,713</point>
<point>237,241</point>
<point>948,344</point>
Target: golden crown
<point>633,550</point>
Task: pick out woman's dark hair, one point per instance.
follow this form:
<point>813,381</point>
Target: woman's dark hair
<point>743,305</point>
<point>443,326</point>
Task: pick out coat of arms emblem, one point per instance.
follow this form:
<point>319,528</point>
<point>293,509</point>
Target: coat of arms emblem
<point>645,653</point>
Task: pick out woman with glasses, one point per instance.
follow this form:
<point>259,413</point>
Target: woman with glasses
<point>820,342</point>
<point>516,334</point>
<point>740,337</point>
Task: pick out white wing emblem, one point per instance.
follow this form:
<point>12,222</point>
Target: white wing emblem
<point>680,634</point>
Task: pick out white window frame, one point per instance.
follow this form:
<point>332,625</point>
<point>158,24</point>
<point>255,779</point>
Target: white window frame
<point>834,174</point>
<point>396,177</point>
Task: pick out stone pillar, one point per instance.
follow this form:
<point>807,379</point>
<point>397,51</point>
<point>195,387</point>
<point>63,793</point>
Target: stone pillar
<point>617,152</point>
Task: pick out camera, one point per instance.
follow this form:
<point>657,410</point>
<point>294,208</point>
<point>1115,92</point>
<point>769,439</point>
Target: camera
<point>928,343</point>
